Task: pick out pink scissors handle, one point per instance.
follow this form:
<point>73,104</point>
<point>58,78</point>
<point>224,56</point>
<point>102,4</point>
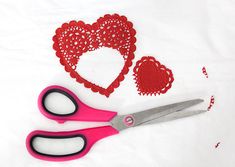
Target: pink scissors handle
<point>82,112</point>
<point>89,136</point>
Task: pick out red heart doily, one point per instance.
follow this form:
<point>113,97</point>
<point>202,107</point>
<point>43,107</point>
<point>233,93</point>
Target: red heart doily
<point>152,77</point>
<point>75,38</point>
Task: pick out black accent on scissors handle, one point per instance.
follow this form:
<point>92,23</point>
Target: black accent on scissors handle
<point>55,90</point>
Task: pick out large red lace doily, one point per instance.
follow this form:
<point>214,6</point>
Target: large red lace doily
<point>75,38</point>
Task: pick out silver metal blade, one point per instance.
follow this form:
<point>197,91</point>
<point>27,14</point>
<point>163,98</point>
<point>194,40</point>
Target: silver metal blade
<point>120,123</point>
<point>174,116</point>
<point>148,115</point>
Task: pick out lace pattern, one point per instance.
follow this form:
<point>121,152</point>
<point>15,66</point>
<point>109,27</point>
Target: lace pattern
<point>75,38</point>
<point>151,77</point>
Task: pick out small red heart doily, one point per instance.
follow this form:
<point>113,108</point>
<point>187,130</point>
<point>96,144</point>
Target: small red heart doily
<point>151,77</point>
<point>75,38</point>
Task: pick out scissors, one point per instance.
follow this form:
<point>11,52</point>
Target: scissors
<point>90,136</point>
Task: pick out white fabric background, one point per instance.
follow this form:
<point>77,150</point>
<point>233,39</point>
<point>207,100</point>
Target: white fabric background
<point>185,35</point>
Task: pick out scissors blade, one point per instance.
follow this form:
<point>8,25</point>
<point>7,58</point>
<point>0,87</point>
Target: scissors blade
<point>174,116</point>
<point>147,115</point>
<point>155,113</point>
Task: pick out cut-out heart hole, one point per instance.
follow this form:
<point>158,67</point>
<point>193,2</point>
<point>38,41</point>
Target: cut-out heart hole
<point>152,77</point>
<point>100,66</point>
<point>73,39</point>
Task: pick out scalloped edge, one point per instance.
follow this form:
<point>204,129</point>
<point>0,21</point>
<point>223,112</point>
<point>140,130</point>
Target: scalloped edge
<point>152,92</point>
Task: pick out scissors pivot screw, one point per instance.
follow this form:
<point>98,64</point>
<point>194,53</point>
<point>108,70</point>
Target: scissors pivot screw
<point>129,120</point>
